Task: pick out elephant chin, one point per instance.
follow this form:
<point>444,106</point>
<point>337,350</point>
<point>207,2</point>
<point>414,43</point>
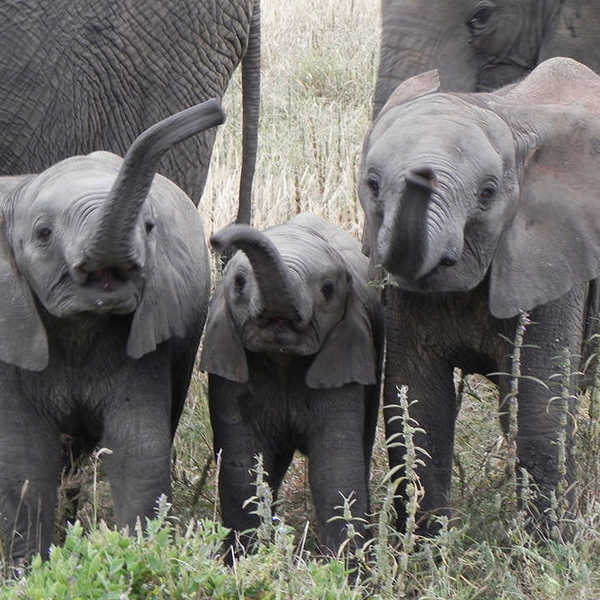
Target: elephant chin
<point>279,336</point>
<point>456,278</point>
<point>68,298</point>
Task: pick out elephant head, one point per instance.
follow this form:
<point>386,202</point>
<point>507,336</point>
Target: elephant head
<point>481,45</point>
<point>99,235</point>
<point>457,187</point>
<point>290,292</point>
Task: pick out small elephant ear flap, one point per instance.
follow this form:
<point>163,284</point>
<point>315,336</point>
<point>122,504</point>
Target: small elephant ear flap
<point>222,350</point>
<point>553,242</point>
<point>348,354</point>
<point>414,87</point>
<point>23,340</point>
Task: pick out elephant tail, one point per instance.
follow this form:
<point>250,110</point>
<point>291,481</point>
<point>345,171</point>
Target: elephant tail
<point>251,110</point>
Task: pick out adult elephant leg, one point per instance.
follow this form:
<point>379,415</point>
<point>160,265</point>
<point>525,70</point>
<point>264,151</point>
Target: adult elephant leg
<point>137,429</point>
<point>336,459</point>
<point>429,376</point>
<point>557,326</point>
<point>30,464</point>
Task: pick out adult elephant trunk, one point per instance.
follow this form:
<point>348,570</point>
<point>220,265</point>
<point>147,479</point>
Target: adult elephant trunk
<point>418,37</point>
<point>419,232</point>
<point>112,243</point>
<point>280,298</point>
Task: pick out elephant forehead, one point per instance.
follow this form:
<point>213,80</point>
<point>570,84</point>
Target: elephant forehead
<point>65,189</point>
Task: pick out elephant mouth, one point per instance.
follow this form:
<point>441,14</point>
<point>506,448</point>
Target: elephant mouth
<point>109,290</point>
<point>280,336</point>
<point>109,280</point>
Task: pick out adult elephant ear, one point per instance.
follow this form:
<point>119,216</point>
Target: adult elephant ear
<point>223,353</point>
<point>414,87</point>
<point>348,354</point>
<point>23,339</point>
<point>553,242</point>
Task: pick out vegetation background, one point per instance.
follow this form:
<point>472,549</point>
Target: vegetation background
<point>319,60</point>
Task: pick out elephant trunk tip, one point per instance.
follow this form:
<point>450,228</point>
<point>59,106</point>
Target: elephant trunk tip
<point>423,178</point>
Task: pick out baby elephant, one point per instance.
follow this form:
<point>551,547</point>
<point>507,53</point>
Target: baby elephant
<point>292,347</point>
<point>105,282</point>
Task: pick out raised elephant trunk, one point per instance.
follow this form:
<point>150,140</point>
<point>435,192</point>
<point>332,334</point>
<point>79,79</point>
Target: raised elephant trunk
<point>112,243</point>
<point>272,275</point>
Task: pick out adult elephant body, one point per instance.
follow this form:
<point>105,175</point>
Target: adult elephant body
<point>480,206</point>
<point>480,45</point>
<point>84,76</point>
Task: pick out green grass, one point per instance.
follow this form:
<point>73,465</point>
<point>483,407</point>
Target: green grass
<point>319,60</point>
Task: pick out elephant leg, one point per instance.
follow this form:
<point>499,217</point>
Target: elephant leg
<point>541,419</point>
<point>431,388</point>
<point>237,442</point>
<point>336,463</point>
<point>138,432</point>
<point>30,451</point>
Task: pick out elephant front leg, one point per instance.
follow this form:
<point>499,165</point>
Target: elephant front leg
<point>137,433</point>
<point>433,407</point>
<point>544,435</point>
<point>237,443</point>
<point>336,464</point>
<point>30,464</point>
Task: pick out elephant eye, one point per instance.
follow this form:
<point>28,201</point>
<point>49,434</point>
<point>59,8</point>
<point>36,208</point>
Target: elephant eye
<point>485,196</point>
<point>373,185</point>
<point>327,289</point>
<point>149,226</point>
<point>239,281</point>
<point>480,18</point>
<point>43,234</point>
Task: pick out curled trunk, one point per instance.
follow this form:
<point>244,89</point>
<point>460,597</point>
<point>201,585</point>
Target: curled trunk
<point>271,273</point>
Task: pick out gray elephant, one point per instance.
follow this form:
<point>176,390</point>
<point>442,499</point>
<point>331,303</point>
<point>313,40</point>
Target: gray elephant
<point>481,45</point>
<point>87,75</point>
<point>292,347</point>
<point>105,283</point>
<point>480,206</point>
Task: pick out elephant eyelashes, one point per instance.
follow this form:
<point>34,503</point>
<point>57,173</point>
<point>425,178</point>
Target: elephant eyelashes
<point>43,234</point>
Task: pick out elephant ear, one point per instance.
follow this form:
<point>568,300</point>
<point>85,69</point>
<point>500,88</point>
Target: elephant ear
<point>553,242</point>
<point>348,354</point>
<point>23,339</point>
<point>222,349</point>
<point>177,282</point>
<point>414,87</point>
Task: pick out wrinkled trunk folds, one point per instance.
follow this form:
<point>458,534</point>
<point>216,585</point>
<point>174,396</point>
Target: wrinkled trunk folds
<point>408,253</point>
<point>271,273</point>
<point>112,243</point>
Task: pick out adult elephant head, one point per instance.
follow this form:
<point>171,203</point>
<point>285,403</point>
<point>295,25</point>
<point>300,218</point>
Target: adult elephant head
<point>480,45</point>
<point>84,76</point>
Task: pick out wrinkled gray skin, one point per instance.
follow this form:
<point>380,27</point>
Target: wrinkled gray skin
<point>292,347</point>
<point>88,75</point>
<point>481,45</point>
<point>105,280</point>
<point>481,206</point>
